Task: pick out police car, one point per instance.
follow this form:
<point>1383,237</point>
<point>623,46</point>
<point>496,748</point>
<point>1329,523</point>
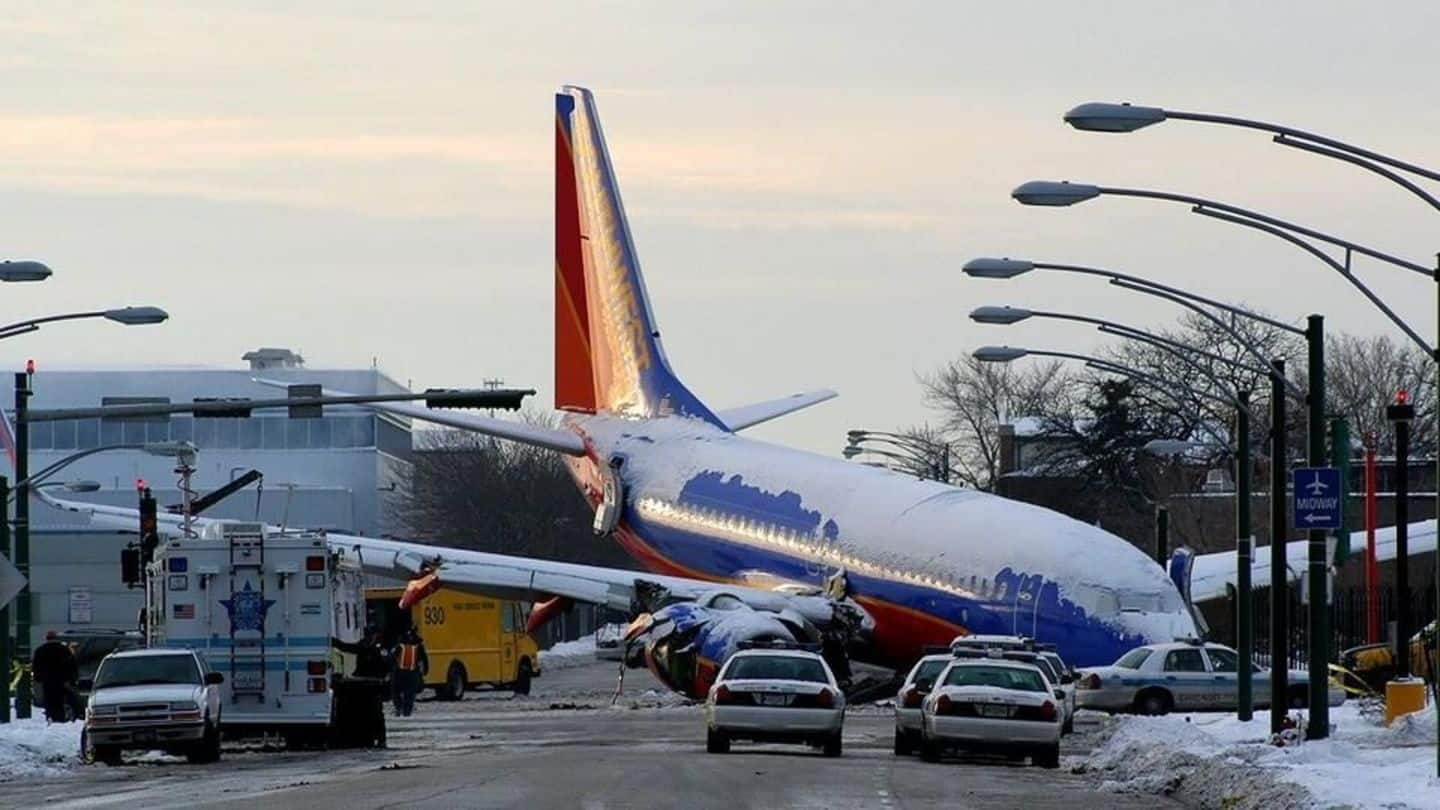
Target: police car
<point>1187,675</point>
<point>775,694</point>
<point>992,704</point>
<point>1041,654</point>
<point>907,702</point>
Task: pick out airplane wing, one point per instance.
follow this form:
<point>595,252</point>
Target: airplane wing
<point>495,574</point>
<point>560,440</point>
<point>1214,573</point>
<point>744,416</point>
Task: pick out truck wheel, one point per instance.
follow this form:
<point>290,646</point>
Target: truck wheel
<point>454,686</point>
<point>522,678</point>
<point>207,750</point>
<point>106,754</point>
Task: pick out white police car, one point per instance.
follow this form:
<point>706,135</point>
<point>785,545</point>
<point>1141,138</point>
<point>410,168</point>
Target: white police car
<point>779,694</point>
<point>1184,675</point>
<point>995,705</point>
<point>907,702</point>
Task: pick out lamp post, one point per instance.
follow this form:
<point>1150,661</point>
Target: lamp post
<point>923,453</point>
<point>23,271</point>
<point>1108,117</point>
<point>127,316</point>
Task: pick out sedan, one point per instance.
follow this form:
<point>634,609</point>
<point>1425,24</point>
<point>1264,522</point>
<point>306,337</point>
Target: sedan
<point>993,705</point>
<point>775,696</point>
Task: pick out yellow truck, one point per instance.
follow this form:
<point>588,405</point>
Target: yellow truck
<point>472,640</point>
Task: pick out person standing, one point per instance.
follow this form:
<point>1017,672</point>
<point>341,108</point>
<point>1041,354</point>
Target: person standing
<point>411,665</point>
<point>54,668</point>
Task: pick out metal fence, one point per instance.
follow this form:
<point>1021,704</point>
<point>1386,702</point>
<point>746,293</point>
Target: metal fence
<point>1347,621</point>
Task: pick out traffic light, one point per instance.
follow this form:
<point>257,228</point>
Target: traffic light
<point>149,526</point>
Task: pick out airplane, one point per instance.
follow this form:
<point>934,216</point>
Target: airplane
<point>748,540</point>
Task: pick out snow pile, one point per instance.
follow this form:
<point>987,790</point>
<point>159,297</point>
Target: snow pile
<point>568,654</point>
<point>33,747</point>
<point>1213,760</point>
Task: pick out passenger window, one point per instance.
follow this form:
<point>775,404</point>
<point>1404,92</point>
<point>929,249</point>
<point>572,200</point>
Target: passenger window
<point>1184,661</point>
<point>508,617</point>
<point>1223,660</point>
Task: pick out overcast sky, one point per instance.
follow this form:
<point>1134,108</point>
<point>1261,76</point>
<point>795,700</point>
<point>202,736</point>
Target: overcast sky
<point>359,181</point>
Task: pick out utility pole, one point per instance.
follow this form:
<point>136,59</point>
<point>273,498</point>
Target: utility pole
<point>1317,564</point>
<point>1162,535</point>
<point>7,640</point>
<point>23,697</point>
<point>1279,586</point>
<point>1401,413</point>
<point>1244,544</point>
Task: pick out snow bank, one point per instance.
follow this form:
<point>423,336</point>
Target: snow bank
<point>1213,760</point>
<point>32,747</point>
<point>568,654</point>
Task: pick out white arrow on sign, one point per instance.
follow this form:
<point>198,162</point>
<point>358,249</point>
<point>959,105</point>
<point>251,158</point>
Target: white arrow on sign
<point>11,581</point>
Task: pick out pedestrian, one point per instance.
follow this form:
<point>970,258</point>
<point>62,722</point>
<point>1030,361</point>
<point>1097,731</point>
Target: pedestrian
<point>54,668</point>
<point>411,665</point>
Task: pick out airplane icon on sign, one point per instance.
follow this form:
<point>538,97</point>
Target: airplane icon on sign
<point>1316,487</point>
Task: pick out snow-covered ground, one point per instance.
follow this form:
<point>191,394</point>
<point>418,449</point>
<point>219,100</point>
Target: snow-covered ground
<point>32,747</point>
<point>1215,760</point>
<point>568,654</point>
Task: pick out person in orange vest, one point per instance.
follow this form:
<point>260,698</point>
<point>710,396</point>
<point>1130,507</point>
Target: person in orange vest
<point>411,665</point>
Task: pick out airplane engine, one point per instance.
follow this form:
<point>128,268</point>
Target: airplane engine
<point>686,644</point>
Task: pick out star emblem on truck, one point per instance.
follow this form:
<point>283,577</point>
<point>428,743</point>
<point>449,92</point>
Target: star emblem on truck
<point>247,609</point>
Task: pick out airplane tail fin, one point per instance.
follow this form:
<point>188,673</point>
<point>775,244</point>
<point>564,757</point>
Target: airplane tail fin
<point>608,356</point>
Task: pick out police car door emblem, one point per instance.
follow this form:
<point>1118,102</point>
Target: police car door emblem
<point>247,610</point>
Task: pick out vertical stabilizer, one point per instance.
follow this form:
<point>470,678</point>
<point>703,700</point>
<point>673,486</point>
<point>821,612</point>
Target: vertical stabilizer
<point>607,347</point>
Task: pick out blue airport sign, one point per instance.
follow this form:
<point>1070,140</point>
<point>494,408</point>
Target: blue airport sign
<point>1317,498</point>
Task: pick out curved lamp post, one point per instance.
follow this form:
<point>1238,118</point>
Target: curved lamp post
<point>126,316</point>
<point>1107,117</point>
<point>918,452</point>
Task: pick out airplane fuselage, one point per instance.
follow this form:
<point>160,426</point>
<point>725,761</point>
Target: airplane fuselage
<point>928,561</point>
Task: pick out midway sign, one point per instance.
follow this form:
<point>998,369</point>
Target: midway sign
<point>1317,498</point>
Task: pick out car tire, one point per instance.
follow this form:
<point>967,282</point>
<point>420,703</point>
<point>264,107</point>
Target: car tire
<point>904,745</point>
<point>1298,697</point>
<point>207,750</point>
<point>1047,757</point>
<point>929,749</point>
<point>834,745</point>
<point>522,678</point>
<point>1153,702</point>
<point>108,755</point>
<point>716,742</point>
<point>1069,727</point>
<point>454,686</point>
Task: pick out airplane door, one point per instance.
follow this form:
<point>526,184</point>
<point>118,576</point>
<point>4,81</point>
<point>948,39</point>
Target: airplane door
<point>612,497</point>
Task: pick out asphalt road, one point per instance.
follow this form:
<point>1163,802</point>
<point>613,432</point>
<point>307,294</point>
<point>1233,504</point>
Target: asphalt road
<point>567,746</point>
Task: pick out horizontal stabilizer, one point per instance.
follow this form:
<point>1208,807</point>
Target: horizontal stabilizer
<point>748,415</point>
<point>560,440</point>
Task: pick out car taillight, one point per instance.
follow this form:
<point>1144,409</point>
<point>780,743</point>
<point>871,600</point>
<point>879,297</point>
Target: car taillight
<point>826,699</point>
<point>943,705</point>
<point>722,695</point>
<point>1091,681</point>
<point>315,667</point>
<point>1047,711</point>
<point>912,698</point>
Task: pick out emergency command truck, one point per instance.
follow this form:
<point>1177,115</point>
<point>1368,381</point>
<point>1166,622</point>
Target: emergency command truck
<point>471,639</point>
<point>274,612</point>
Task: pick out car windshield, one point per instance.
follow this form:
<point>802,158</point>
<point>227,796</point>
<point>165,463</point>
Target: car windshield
<point>1133,659</point>
<point>928,671</point>
<point>1022,679</point>
<point>1056,662</point>
<point>776,668</point>
<point>147,669</point>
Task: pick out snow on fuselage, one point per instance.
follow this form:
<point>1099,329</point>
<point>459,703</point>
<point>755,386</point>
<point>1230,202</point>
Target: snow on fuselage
<point>927,560</point>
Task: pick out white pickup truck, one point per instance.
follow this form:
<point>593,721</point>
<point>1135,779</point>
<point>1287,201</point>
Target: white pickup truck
<point>156,699</point>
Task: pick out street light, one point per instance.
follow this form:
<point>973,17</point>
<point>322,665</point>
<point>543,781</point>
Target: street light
<point>23,271</point>
<point>126,316</point>
<point>918,452</point>
<point>1105,117</point>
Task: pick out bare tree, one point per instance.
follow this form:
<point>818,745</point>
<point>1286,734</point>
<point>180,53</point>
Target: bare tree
<point>471,491</point>
<point>1362,376</point>
<point>974,398</point>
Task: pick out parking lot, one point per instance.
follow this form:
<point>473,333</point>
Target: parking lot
<point>566,746</point>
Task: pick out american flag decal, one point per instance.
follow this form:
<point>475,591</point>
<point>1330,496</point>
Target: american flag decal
<point>184,611</point>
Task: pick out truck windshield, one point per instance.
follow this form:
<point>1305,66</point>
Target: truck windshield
<point>147,669</point>
<point>776,667</point>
